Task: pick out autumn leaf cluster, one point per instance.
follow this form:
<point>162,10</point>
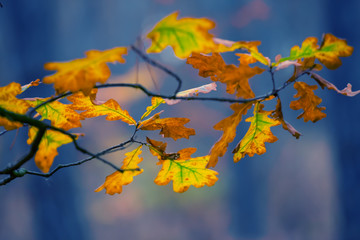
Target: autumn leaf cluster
<point>50,121</point>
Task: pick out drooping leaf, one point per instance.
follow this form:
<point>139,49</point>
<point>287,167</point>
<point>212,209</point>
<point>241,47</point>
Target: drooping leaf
<point>186,171</point>
<point>250,46</point>
<point>157,148</point>
<point>259,132</point>
<point>61,115</point>
<point>170,127</point>
<point>48,146</point>
<point>94,108</point>
<point>185,35</point>
<point>327,53</point>
<point>9,102</point>
<point>228,126</point>
<point>115,181</point>
<point>347,91</point>
<point>235,78</point>
<point>155,102</point>
<point>278,115</point>
<point>307,101</point>
<point>192,92</point>
<point>82,74</point>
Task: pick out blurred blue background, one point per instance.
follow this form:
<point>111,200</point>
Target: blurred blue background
<point>300,189</point>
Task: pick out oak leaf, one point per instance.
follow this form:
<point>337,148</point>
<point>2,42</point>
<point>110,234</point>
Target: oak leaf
<point>235,78</point>
<point>185,171</point>
<point>185,35</point>
<point>94,108</point>
<point>82,74</point>
<point>61,115</point>
<point>228,126</point>
<point>259,132</point>
<point>307,101</point>
<point>327,53</point>
<point>48,146</point>
<point>170,127</point>
<point>115,181</point>
<point>9,102</point>
<point>155,103</point>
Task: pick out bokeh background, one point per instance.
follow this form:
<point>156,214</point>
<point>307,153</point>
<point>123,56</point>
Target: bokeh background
<point>300,189</point>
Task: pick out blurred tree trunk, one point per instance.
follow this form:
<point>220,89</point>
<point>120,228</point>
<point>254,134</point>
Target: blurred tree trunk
<point>56,204</point>
<point>344,23</point>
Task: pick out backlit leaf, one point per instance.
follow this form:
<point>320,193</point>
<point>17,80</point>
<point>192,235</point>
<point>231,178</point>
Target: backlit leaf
<point>328,53</point>
<point>48,146</point>
<point>259,132</point>
<point>185,35</point>
<point>228,126</point>
<point>82,74</point>
<point>155,102</point>
<point>170,127</point>
<point>115,181</point>
<point>61,115</point>
<point>307,101</point>
<point>186,171</point>
<point>94,108</point>
<point>9,102</point>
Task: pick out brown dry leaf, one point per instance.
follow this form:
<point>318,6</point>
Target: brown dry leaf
<point>170,127</point>
<point>307,101</point>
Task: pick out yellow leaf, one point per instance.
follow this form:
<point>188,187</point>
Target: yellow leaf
<point>185,35</point>
<point>186,171</point>
<point>170,127</point>
<point>115,181</point>
<point>155,102</point>
<point>327,53</point>
<point>259,132</point>
<point>94,108</point>
<point>82,74</point>
<point>47,150</point>
<point>9,102</point>
<point>228,126</point>
<point>307,101</point>
<point>61,115</point>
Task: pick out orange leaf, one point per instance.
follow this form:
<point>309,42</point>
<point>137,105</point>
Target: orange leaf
<point>235,78</point>
<point>9,102</point>
<point>94,108</point>
<point>115,181</point>
<point>259,132</point>
<point>82,74</point>
<point>278,115</point>
<point>185,35</point>
<point>61,115</point>
<point>228,126</point>
<point>186,171</point>
<point>47,150</point>
<point>155,102</point>
<point>170,127</point>
<point>307,101</point>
